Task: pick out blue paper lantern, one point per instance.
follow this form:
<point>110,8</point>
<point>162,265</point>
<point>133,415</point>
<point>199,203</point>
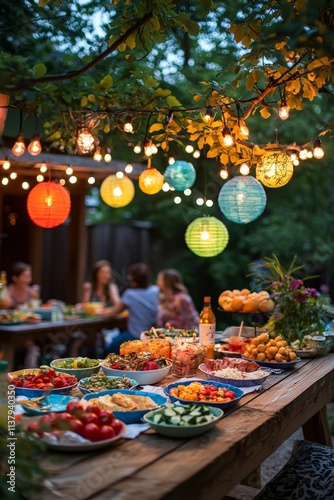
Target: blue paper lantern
<point>242,199</point>
<point>206,236</point>
<point>181,175</point>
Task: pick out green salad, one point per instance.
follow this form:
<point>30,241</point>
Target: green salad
<point>162,333</point>
<point>76,363</point>
<point>97,383</point>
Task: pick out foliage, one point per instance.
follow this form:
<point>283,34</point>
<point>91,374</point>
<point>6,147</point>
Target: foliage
<point>298,309</point>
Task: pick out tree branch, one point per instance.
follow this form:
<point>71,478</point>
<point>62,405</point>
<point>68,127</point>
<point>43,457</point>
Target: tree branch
<point>72,74</point>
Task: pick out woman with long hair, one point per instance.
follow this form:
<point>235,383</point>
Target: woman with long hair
<point>19,291</point>
<point>101,288</point>
<point>175,305</point>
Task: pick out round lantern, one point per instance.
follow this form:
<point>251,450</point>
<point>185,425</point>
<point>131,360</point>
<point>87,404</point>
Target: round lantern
<point>48,204</point>
<point>117,192</point>
<point>151,181</point>
<point>206,236</point>
<point>274,170</point>
<point>242,199</point>
<point>181,175</point>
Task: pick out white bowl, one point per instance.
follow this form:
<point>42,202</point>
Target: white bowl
<point>142,377</point>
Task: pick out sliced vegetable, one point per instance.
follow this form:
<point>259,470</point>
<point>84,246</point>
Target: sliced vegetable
<point>182,415</point>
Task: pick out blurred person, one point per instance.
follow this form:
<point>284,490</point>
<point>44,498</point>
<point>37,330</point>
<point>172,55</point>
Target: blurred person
<point>101,288</point>
<point>176,307</point>
<point>20,292</point>
<point>141,301</point>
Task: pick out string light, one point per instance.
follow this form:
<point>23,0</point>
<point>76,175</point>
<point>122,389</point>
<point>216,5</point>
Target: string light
<point>19,146</point>
<point>119,174</point>
<point>107,156</point>
<point>5,181</point>
<point>97,155</point>
<point>91,180</point>
<point>6,165</point>
<point>293,156</point>
<point>318,152</point>
<point>40,178</point>
<point>128,124</point>
<point>244,130</point>
<point>244,169</point>
<point>148,151</point>
<point>13,175</point>
<point>35,147</point>
<point>209,203</point>
<point>227,137</point>
<point>154,149</point>
<point>283,111</point>
<point>177,200</point>
<point>223,173</point>
<point>296,162</point>
<point>196,153</point>
<point>73,179</point>
<point>208,114</point>
<point>165,187</point>
<point>25,185</point>
<point>309,154</point>
<point>187,192</point>
<point>85,141</point>
<point>137,149</point>
<point>189,148</point>
<point>69,171</point>
<point>62,182</point>
<point>303,154</point>
<point>43,168</point>
<point>171,160</point>
<point>128,168</point>
<point>199,202</point>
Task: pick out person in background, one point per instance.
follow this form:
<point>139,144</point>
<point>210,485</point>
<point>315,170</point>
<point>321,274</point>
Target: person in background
<point>19,291</point>
<point>141,300</point>
<point>101,288</point>
<point>175,305</point>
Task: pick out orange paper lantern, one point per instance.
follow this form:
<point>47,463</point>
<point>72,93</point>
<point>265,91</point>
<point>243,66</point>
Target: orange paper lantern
<point>48,204</point>
<point>151,181</point>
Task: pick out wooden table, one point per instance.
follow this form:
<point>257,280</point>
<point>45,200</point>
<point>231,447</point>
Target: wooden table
<point>51,333</point>
<point>154,467</point>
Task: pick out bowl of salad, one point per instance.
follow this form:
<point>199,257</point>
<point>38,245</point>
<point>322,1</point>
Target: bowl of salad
<point>35,382</point>
<point>102,382</point>
<point>143,367</point>
<point>168,332</point>
<point>183,421</point>
<point>78,367</point>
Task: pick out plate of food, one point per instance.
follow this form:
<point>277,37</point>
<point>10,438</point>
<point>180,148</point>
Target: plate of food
<point>35,382</point>
<point>234,371</point>
<point>101,382</point>
<point>129,406</point>
<point>285,365</point>
<point>51,403</point>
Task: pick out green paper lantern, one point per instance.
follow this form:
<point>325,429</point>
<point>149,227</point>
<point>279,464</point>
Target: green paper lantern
<point>206,236</point>
<point>242,199</point>
<point>274,170</point>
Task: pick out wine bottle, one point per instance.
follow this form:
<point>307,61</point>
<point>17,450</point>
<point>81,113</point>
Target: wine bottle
<point>207,328</point>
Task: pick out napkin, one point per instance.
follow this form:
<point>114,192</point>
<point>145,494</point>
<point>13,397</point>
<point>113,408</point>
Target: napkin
<point>133,430</point>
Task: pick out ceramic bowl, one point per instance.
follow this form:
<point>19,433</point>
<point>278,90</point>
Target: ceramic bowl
<point>130,417</point>
<point>188,431</point>
<point>248,382</point>
<point>238,392</point>
<point>79,373</point>
<point>56,402</point>
<point>97,389</point>
<point>35,393</point>
<point>141,377</point>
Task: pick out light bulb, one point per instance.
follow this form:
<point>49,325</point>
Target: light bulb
<point>119,174</point>
<point>177,200</point>
<point>97,155</point>
<point>244,169</point>
<point>6,165</point>
<point>283,111</point>
<point>62,182</point>
<point>117,191</point>
<point>154,149</point>
<point>40,178</point>
<point>244,130</point>
<point>187,192</point>
<point>165,187</point>
<point>209,203</point>
<point>309,154</point>
<point>107,156</point>
<point>303,154</point>
<point>13,175</point>
<point>199,202</point>
<point>293,156</point>
<point>205,235</point>
<point>196,153</point>
<point>25,185</point>
<point>19,146</point>
<point>223,173</point>
<point>189,148</point>
<point>171,160</point>
<point>91,180</point>
<point>227,137</point>
<point>35,147</point>
<point>128,168</point>
<point>43,168</point>
<point>137,149</point>
<point>85,141</point>
<point>148,151</point>
<point>73,179</point>
<point>318,152</point>
<point>296,162</point>
<point>69,171</point>
<point>4,181</point>
<point>128,124</point>
<point>208,114</point>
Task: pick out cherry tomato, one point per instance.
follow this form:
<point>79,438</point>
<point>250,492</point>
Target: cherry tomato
<point>90,418</point>
<point>92,432</point>
<point>106,417</point>
<point>93,409</point>
<point>117,426</point>
<point>107,432</point>
<point>75,425</point>
<point>33,427</point>
<point>75,408</point>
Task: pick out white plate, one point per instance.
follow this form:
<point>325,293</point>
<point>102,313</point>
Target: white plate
<point>86,447</point>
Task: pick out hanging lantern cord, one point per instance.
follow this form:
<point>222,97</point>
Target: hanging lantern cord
<point>147,126</point>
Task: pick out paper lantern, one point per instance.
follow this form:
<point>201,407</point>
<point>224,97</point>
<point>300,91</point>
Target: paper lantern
<point>151,181</point>
<point>48,204</point>
<point>275,169</point>
<point>117,192</point>
<point>242,199</point>
<point>181,175</point>
<point>206,236</point>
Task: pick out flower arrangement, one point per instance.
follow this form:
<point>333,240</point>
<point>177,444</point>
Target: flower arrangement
<point>298,311</point>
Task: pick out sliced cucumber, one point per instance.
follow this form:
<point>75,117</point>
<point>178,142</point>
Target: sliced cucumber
<point>169,412</point>
<point>175,420</point>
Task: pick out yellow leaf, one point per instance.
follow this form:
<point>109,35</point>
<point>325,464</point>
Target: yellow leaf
<point>212,153</point>
<point>106,129</point>
<point>216,124</point>
<point>194,137</point>
<point>259,151</point>
<point>246,40</point>
<point>264,113</point>
<point>131,41</point>
<point>200,142</point>
<point>91,98</point>
<point>250,82</point>
<point>155,127</point>
<point>107,82</point>
<point>122,47</point>
<point>280,45</point>
<point>309,91</point>
<point>198,98</point>
<point>224,159</point>
<point>209,140</point>
<point>173,102</point>
<point>164,145</point>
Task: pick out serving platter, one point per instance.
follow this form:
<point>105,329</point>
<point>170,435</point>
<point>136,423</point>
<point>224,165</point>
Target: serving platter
<point>53,403</point>
<point>288,365</point>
